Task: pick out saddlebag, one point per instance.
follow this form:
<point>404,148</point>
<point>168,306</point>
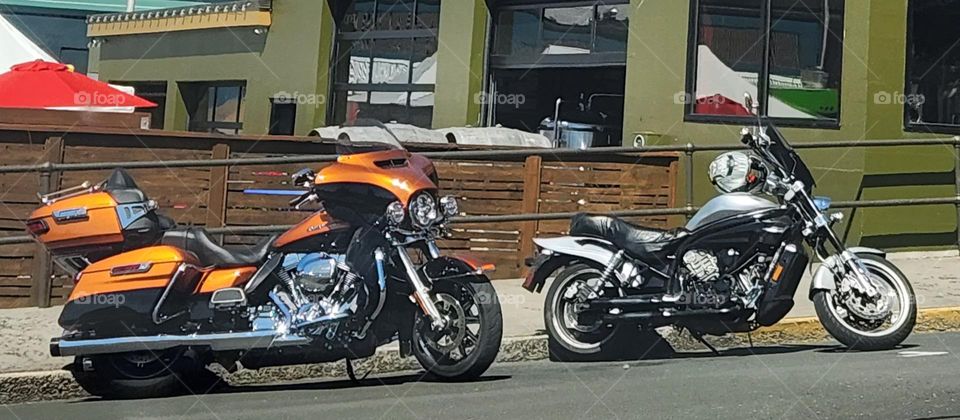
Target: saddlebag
<point>121,294</point>
<point>782,284</point>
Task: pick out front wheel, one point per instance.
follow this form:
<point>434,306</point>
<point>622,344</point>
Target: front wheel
<point>849,318</point>
<point>469,342</point>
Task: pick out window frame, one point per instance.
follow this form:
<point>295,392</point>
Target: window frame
<point>593,59</point>
<point>208,124</point>
<point>276,102</point>
<point>338,88</point>
<point>763,79</point>
<point>908,126</point>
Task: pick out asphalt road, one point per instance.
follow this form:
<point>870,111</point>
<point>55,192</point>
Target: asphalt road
<point>921,380</point>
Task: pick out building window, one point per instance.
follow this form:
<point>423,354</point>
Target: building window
<point>786,53</point>
<point>283,116</point>
<point>932,95</point>
<point>561,61</point>
<point>155,92</point>
<point>385,61</point>
<point>214,107</point>
<point>578,33</point>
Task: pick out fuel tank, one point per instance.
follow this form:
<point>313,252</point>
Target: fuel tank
<point>728,205</point>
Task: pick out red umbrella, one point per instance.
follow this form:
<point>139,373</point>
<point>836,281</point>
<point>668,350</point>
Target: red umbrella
<point>720,105</point>
<point>41,84</point>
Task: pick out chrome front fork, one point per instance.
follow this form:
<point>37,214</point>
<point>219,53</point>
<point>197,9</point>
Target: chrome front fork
<point>420,289</point>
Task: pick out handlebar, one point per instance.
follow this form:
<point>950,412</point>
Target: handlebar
<point>303,199</point>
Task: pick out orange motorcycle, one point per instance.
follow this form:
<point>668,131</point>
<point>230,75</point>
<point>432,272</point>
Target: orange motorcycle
<point>154,305</point>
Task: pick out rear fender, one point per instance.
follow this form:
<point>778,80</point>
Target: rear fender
<point>543,266</point>
<point>591,249</point>
<point>824,279</point>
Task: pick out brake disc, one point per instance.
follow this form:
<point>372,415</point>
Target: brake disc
<point>864,307</point>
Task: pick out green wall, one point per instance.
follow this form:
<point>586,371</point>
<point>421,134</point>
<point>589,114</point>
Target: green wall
<point>460,63</point>
<point>873,62</point>
<point>293,57</point>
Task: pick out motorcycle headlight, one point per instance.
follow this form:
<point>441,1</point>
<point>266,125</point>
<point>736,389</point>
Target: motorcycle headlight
<point>395,213</point>
<point>423,210</point>
<point>449,206</point>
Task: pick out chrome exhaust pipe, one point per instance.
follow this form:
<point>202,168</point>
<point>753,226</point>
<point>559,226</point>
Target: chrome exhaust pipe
<point>269,329</point>
<point>217,342</point>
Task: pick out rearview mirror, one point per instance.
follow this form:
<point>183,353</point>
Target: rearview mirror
<point>303,177</point>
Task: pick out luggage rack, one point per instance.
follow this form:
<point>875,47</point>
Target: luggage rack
<point>55,196</point>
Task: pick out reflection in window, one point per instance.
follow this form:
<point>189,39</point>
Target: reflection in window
<point>932,95</point>
<point>386,70</point>
<point>805,44</point>
<point>613,25</point>
<point>391,61</point>
<point>518,32</point>
<point>568,30</point>
<point>215,107</point>
<point>524,33</point>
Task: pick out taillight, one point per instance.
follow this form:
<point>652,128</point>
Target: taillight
<point>37,227</point>
<point>123,270</point>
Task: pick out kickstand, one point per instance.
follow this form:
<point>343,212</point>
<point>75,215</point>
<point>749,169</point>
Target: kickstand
<point>353,374</point>
<point>750,339</point>
<point>699,337</point>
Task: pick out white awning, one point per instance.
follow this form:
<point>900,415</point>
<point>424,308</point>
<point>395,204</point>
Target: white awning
<point>16,48</point>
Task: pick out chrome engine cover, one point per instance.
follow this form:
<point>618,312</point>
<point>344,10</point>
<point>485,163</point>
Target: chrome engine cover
<point>314,273</point>
<point>702,265</point>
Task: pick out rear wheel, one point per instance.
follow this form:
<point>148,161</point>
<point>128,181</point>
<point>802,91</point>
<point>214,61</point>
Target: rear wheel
<point>578,336</point>
<point>144,374</point>
<point>469,343</point>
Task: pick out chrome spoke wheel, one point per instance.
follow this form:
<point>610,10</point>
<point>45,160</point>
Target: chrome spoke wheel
<point>572,325</point>
<point>879,316</point>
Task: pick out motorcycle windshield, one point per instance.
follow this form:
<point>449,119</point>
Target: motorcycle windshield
<point>789,158</point>
<point>365,136</point>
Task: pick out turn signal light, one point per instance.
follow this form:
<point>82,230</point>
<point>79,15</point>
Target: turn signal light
<point>37,227</point>
<point>123,270</point>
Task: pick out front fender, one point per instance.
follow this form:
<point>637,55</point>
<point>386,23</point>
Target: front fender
<point>823,278</point>
<point>457,266</point>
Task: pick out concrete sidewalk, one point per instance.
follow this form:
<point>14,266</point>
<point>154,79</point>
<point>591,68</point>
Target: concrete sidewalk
<point>25,333</point>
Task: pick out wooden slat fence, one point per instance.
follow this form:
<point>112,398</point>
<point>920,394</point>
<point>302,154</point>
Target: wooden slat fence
<point>215,196</point>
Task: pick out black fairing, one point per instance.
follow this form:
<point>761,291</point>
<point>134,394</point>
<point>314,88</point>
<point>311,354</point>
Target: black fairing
<point>354,203</point>
<point>785,154</point>
<point>778,298</point>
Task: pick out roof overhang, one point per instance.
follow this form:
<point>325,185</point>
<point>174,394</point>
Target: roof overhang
<point>242,13</point>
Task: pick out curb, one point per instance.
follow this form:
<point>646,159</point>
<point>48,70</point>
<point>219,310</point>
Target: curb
<point>21,387</point>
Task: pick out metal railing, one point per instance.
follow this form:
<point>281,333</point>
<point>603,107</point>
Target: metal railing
<point>50,171</point>
<point>688,150</point>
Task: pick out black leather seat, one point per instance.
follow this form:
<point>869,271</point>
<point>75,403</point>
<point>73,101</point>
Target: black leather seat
<point>210,253</point>
<point>638,241</point>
